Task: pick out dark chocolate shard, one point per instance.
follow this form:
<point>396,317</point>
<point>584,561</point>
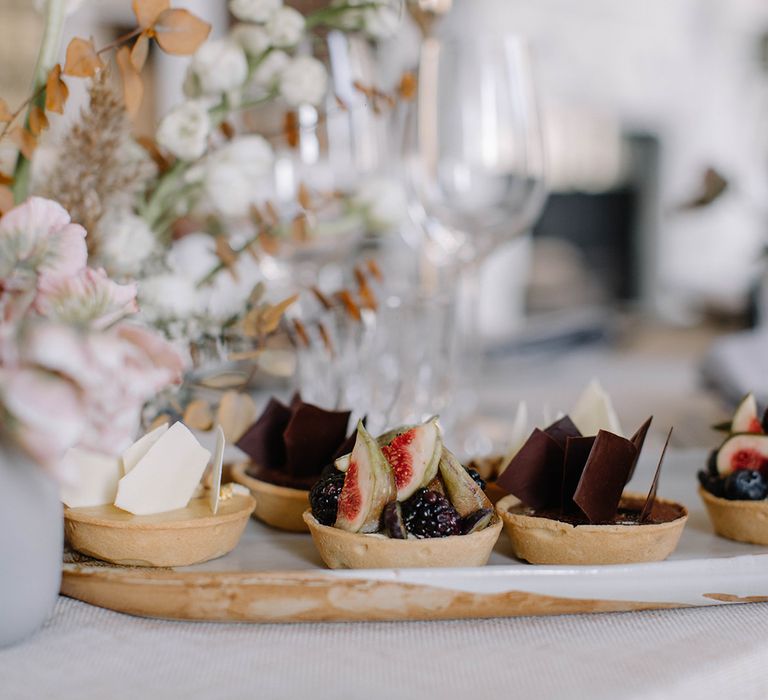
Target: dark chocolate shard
<point>312,437</point>
<point>638,439</point>
<point>561,430</point>
<point>535,474</point>
<point>263,441</point>
<point>577,451</point>
<point>605,474</point>
<point>295,401</point>
<point>647,511</point>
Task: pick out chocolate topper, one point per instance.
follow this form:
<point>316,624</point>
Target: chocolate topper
<point>294,442</point>
<point>560,469</point>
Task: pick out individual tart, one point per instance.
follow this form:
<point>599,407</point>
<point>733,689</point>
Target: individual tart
<point>567,505</point>
<point>149,507</point>
<point>401,500</point>
<point>734,486</point>
<point>289,446</point>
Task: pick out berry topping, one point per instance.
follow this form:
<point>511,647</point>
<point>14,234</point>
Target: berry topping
<point>429,514</point>
<point>392,521</point>
<point>712,483</point>
<point>746,485</point>
<point>712,463</point>
<point>478,520</point>
<point>476,477</point>
<point>324,498</point>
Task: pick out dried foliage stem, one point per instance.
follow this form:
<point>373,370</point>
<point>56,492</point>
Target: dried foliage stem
<point>46,58</point>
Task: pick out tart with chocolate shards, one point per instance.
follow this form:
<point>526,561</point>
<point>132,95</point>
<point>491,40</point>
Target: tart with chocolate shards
<point>592,412</point>
<point>151,506</point>
<point>567,503</point>
<point>401,500</point>
<point>289,447</point>
<point>734,486</point>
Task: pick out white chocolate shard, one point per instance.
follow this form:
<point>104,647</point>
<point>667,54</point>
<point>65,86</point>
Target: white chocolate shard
<point>166,476</point>
<point>218,461</point>
<point>96,481</point>
<point>135,452</point>
<point>594,411</point>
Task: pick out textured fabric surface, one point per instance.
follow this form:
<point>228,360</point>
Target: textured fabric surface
<point>85,652</point>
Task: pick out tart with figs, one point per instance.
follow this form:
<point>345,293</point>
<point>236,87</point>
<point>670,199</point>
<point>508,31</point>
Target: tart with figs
<point>567,502</point>
<point>401,500</point>
<point>734,485</point>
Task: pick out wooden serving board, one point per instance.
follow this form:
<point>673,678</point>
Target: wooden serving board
<point>274,576</point>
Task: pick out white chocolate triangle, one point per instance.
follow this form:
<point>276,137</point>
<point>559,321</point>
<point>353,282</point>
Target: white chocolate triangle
<point>97,477</point>
<point>130,458</point>
<point>218,461</point>
<point>166,476</point>
<point>594,411</point>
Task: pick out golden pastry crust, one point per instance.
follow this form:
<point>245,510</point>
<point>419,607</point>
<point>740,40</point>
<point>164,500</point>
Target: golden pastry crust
<point>340,549</point>
<point>743,521</point>
<point>180,537</point>
<point>278,506</point>
<point>541,540</point>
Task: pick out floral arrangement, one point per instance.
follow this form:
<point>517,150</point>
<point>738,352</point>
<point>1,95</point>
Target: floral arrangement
<point>73,369</point>
<point>191,213</point>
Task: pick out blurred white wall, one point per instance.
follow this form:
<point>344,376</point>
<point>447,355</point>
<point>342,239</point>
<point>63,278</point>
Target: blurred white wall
<point>687,70</point>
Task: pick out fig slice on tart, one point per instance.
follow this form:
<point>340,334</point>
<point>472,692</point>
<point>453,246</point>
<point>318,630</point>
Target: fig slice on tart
<point>746,419</point>
<point>413,453</point>
<point>743,451</point>
<point>369,484</point>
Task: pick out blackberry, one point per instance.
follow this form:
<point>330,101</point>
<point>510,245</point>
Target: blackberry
<point>746,485</point>
<point>712,464</point>
<point>329,470</point>
<point>430,514</point>
<point>324,498</point>
<point>710,482</point>
<point>476,477</point>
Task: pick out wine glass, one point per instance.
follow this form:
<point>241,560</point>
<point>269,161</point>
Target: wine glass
<point>475,168</point>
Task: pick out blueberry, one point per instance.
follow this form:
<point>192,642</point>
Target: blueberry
<point>711,483</point>
<point>476,477</point>
<point>324,498</point>
<point>746,485</point>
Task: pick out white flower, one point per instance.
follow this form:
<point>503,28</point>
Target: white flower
<point>217,66</point>
<point>383,21</point>
<point>383,202</point>
<point>303,80</point>
<point>237,174</point>
<point>380,20</point>
<point>268,71</point>
<point>193,256</point>
<point>285,27</point>
<point>125,242</point>
<point>253,38</point>
<point>167,297</point>
<point>184,130</point>
<point>254,10</point>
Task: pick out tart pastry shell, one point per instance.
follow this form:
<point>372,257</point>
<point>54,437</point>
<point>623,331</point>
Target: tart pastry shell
<point>340,549</point>
<point>541,540</point>
<point>743,521</point>
<point>278,506</point>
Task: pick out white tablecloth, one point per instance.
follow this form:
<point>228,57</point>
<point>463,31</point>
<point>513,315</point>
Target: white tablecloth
<point>85,652</point>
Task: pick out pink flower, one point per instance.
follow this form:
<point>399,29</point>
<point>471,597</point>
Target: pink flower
<point>38,238</point>
<point>89,298</point>
<point>45,410</point>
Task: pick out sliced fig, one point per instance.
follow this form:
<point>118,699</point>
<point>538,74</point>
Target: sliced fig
<point>436,485</point>
<point>462,490</point>
<point>369,484</point>
<point>743,451</point>
<point>476,521</point>
<point>745,419</point>
<point>413,454</point>
<point>392,521</point>
<point>342,463</point>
